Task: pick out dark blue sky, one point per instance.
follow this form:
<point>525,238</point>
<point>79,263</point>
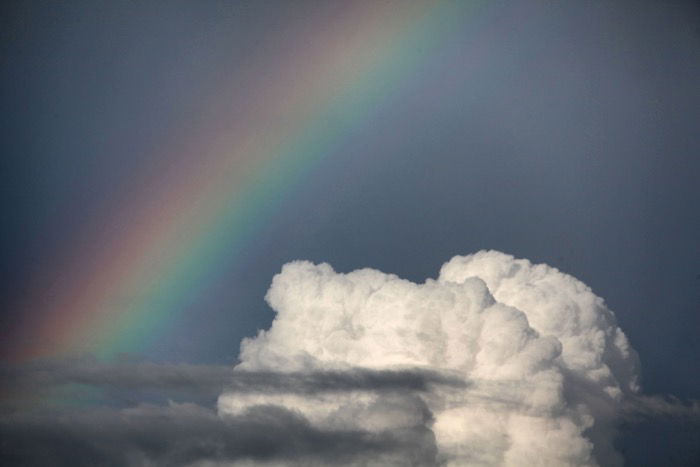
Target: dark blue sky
<point>567,134</point>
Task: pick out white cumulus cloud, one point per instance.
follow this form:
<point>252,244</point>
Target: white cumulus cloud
<point>546,369</point>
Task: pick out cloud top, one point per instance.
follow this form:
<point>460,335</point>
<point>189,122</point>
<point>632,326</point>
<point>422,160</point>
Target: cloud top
<point>545,365</point>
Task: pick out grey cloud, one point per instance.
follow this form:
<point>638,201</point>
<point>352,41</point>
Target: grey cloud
<point>646,407</point>
<point>192,434</point>
<point>345,380</point>
<point>182,378</point>
<point>211,380</point>
<point>187,434</point>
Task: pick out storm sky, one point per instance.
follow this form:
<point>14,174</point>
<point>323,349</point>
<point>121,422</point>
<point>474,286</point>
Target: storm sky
<point>563,133</point>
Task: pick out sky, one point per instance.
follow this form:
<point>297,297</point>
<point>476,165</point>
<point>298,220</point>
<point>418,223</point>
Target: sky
<point>162,162</point>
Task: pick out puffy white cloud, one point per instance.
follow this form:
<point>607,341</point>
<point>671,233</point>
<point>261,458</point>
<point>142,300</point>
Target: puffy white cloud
<point>545,365</point>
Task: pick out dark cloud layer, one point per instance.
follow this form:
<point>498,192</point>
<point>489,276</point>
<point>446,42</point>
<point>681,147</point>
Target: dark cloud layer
<point>187,433</point>
<point>182,434</point>
<point>209,380</point>
<point>190,433</point>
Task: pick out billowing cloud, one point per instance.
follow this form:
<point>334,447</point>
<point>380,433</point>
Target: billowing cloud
<point>495,362</point>
<point>548,370</point>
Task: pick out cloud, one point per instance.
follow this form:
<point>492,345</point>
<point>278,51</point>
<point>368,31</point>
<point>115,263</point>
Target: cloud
<point>48,375</point>
<point>187,434</point>
<point>643,407</point>
<point>192,434</point>
<point>495,362</point>
<point>548,369</point>
<point>210,380</point>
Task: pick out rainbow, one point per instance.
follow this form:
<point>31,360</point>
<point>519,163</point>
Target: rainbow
<point>173,235</point>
